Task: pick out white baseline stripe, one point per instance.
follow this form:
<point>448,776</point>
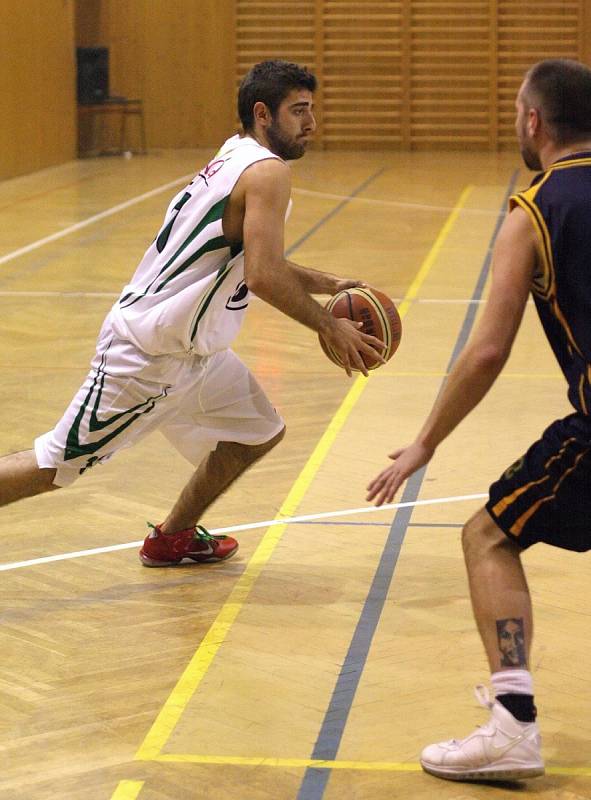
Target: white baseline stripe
<point>245,527</point>
<point>91,220</point>
<point>59,294</point>
<point>396,203</point>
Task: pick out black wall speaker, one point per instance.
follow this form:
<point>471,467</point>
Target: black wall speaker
<point>93,74</point>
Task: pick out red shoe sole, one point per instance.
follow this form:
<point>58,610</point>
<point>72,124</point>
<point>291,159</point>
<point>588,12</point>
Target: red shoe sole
<point>151,562</point>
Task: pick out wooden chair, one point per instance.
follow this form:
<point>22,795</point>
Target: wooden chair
<point>119,107</point>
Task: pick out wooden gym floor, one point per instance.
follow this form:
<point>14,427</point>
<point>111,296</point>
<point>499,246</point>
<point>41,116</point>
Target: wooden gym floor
<point>319,661</point>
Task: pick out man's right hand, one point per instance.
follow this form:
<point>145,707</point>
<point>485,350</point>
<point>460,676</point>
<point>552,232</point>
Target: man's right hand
<point>347,339</point>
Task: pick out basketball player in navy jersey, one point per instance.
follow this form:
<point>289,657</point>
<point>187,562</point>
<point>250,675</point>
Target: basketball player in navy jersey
<point>543,247</point>
<point>163,358</point>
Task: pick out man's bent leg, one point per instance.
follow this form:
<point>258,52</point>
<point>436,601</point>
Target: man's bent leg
<point>500,596</point>
<point>213,476</point>
<point>508,746</point>
<point>21,477</point>
<point>179,537</point>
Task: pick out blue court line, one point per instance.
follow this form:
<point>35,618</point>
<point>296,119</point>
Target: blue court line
<point>315,780</point>
<point>334,211</point>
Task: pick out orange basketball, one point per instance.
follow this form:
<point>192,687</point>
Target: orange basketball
<point>378,314</point>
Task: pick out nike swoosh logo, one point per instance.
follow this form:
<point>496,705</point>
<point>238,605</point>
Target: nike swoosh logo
<point>207,552</point>
<point>497,752</point>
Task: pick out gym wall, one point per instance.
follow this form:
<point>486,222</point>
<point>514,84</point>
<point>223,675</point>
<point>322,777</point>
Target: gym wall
<point>37,85</point>
<point>176,56</point>
<point>415,73</point>
<point>394,73</point>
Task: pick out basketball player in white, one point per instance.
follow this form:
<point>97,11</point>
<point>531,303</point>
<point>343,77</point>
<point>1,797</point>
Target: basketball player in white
<point>163,359</point>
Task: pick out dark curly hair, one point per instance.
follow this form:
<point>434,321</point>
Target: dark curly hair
<point>270,82</point>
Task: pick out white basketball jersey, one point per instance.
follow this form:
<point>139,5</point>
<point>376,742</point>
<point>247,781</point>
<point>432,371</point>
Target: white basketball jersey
<point>188,293</point>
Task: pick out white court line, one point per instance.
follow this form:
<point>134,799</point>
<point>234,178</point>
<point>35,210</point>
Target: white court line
<point>396,203</point>
<point>59,294</point>
<point>134,200</point>
<point>245,527</point>
<point>91,220</point>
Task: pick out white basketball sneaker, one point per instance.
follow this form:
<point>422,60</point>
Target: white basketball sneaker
<point>504,749</point>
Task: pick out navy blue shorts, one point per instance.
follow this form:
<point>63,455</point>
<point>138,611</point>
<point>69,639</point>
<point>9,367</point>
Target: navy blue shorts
<point>545,496</point>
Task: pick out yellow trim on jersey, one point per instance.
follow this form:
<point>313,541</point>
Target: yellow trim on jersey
<point>575,162</point>
<point>546,288</point>
<point>545,284</point>
<point>582,382</point>
<point>504,503</point>
<point>517,527</point>
<point>559,316</point>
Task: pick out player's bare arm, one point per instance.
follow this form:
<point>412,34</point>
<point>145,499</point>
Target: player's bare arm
<point>482,359</point>
<point>317,282</point>
<point>264,191</point>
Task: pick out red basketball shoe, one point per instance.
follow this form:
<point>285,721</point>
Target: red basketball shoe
<point>165,550</point>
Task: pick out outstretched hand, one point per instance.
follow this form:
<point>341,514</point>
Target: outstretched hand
<point>407,460</point>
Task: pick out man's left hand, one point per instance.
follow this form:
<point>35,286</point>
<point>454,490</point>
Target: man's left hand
<point>345,283</point>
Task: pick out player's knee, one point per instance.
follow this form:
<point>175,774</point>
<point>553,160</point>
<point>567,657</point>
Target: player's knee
<point>252,452</point>
<point>46,480</point>
<point>480,535</point>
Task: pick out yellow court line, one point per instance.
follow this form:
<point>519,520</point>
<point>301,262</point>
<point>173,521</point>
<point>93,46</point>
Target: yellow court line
<point>128,790</point>
<point>167,719</point>
<point>306,763</point>
<point>289,763</point>
<point>201,661</point>
<point>433,253</point>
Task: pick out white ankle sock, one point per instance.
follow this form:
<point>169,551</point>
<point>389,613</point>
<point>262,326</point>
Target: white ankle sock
<point>512,681</point>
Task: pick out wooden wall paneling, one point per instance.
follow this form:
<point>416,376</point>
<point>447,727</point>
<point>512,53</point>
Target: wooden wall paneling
<point>87,22</point>
<point>529,32</point>
<point>493,105</point>
<point>8,99</point>
<point>319,70</point>
<point>585,29</point>
<point>450,73</point>
<point>405,75</point>
<point>362,74</point>
<point>275,29</point>
<point>38,87</point>
<point>415,73</point>
<point>177,57</point>
<point>56,87</point>
<point>286,29</point>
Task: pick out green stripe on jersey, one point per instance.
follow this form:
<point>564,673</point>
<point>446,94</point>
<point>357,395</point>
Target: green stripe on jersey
<point>203,306</point>
<point>74,448</point>
<point>215,213</point>
<point>218,243</point>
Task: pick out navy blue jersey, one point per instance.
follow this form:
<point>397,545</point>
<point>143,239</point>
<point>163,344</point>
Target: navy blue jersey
<point>558,203</point>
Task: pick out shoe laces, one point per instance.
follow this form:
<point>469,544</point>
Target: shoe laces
<point>204,535</point>
<point>482,695</point>
<point>199,532</point>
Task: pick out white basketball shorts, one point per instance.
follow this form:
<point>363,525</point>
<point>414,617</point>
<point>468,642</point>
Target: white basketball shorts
<point>195,402</point>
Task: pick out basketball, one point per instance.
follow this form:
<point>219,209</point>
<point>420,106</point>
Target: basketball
<point>378,314</point>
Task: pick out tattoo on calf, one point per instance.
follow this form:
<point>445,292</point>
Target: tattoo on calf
<point>511,636</point>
